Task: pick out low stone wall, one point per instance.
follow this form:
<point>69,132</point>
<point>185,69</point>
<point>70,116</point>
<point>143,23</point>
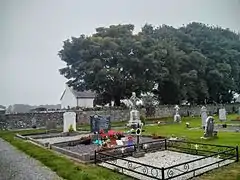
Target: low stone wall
<point>24,120</point>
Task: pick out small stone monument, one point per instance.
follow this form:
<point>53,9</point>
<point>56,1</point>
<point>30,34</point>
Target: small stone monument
<point>177,117</point>
<point>204,116</point>
<point>239,111</point>
<point>209,128</point>
<point>98,123</point>
<point>222,114</point>
<point>69,118</point>
<point>134,113</point>
<point>34,122</point>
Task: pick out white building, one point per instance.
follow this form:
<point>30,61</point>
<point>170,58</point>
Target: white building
<point>71,98</point>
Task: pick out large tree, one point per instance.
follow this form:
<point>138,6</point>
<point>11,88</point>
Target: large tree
<point>197,63</point>
<point>113,62</point>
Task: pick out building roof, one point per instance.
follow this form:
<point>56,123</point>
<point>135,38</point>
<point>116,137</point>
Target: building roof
<point>80,94</point>
<point>83,94</point>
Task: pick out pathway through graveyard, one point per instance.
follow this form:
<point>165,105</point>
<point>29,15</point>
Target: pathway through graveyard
<point>15,165</point>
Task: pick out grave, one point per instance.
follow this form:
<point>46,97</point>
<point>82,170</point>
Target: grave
<point>34,122</point>
<point>222,114</point>
<point>51,125</point>
<point>177,117</point>
<point>209,128</point>
<point>69,121</point>
<point>134,113</point>
<point>98,123</point>
<point>204,116</point>
<point>170,160</point>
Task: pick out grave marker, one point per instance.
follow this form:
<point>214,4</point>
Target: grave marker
<point>209,129</point>
<point>99,122</point>
<point>204,116</point>
<point>51,125</point>
<point>222,114</point>
<point>69,118</point>
<point>34,122</point>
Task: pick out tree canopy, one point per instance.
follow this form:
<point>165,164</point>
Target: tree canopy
<point>196,63</point>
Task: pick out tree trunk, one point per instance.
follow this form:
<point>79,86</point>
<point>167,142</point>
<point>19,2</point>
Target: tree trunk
<point>117,101</point>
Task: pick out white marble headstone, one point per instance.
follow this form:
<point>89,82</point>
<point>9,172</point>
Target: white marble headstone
<point>222,114</point>
<point>204,116</point>
<point>69,118</point>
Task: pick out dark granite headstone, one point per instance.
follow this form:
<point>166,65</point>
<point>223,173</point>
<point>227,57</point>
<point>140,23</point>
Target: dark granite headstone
<point>99,122</point>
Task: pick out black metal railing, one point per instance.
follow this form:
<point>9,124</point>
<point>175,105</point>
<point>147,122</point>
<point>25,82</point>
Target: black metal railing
<point>209,157</point>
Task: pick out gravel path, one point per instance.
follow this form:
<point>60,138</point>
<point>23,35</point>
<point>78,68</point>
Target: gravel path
<point>15,165</point>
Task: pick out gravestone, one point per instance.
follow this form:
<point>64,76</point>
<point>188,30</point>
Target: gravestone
<point>100,122</point>
<point>69,118</point>
<point>239,111</point>
<point>134,113</point>
<point>34,122</point>
<point>51,125</point>
<point>222,114</point>
<point>204,116</point>
<point>209,128</point>
<point>177,117</point>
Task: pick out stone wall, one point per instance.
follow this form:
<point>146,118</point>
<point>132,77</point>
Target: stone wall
<point>24,120</point>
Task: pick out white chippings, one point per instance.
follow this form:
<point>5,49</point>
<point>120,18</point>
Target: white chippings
<point>61,139</point>
<point>165,159</point>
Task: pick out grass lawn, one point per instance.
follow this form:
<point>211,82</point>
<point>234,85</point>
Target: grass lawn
<point>75,171</point>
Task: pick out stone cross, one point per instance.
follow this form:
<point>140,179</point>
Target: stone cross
<point>177,117</point>
<point>133,100</point>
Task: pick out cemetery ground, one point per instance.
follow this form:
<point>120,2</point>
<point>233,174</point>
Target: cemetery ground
<point>72,170</point>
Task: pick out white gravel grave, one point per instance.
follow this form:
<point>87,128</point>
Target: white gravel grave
<point>61,139</point>
<point>165,159</point>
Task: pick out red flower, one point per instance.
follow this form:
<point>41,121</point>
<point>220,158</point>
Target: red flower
<point>101,131</point>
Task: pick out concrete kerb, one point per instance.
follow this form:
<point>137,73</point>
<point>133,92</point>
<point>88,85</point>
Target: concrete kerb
<point>83,158</point>
<point>20,136</point>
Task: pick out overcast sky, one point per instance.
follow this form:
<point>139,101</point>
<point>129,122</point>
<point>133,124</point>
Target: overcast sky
<point>32,32</point>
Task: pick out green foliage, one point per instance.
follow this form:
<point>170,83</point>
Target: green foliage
<point>195,62</point>
<point>70,129</point>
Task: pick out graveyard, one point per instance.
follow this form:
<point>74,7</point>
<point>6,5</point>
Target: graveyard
<point>179,148</point>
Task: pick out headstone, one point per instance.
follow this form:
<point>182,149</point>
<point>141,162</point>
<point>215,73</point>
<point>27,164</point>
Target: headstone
<point>177,117</point>
<point>134,113</point>
<point>204,116</point>
<point>209,128</point>
<point>99,122</point>
<point>222,114</point>
<point>51,125</point>
<point>34,122</point>
<point>69,118</point>
<point>239,111</point>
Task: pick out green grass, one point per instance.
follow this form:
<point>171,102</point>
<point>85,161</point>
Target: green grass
<point>63,166</point>
<point>71,171</point>
<point>231,172</point>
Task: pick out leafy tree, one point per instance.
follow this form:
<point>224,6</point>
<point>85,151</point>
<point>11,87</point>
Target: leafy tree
<point>196,62</point>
